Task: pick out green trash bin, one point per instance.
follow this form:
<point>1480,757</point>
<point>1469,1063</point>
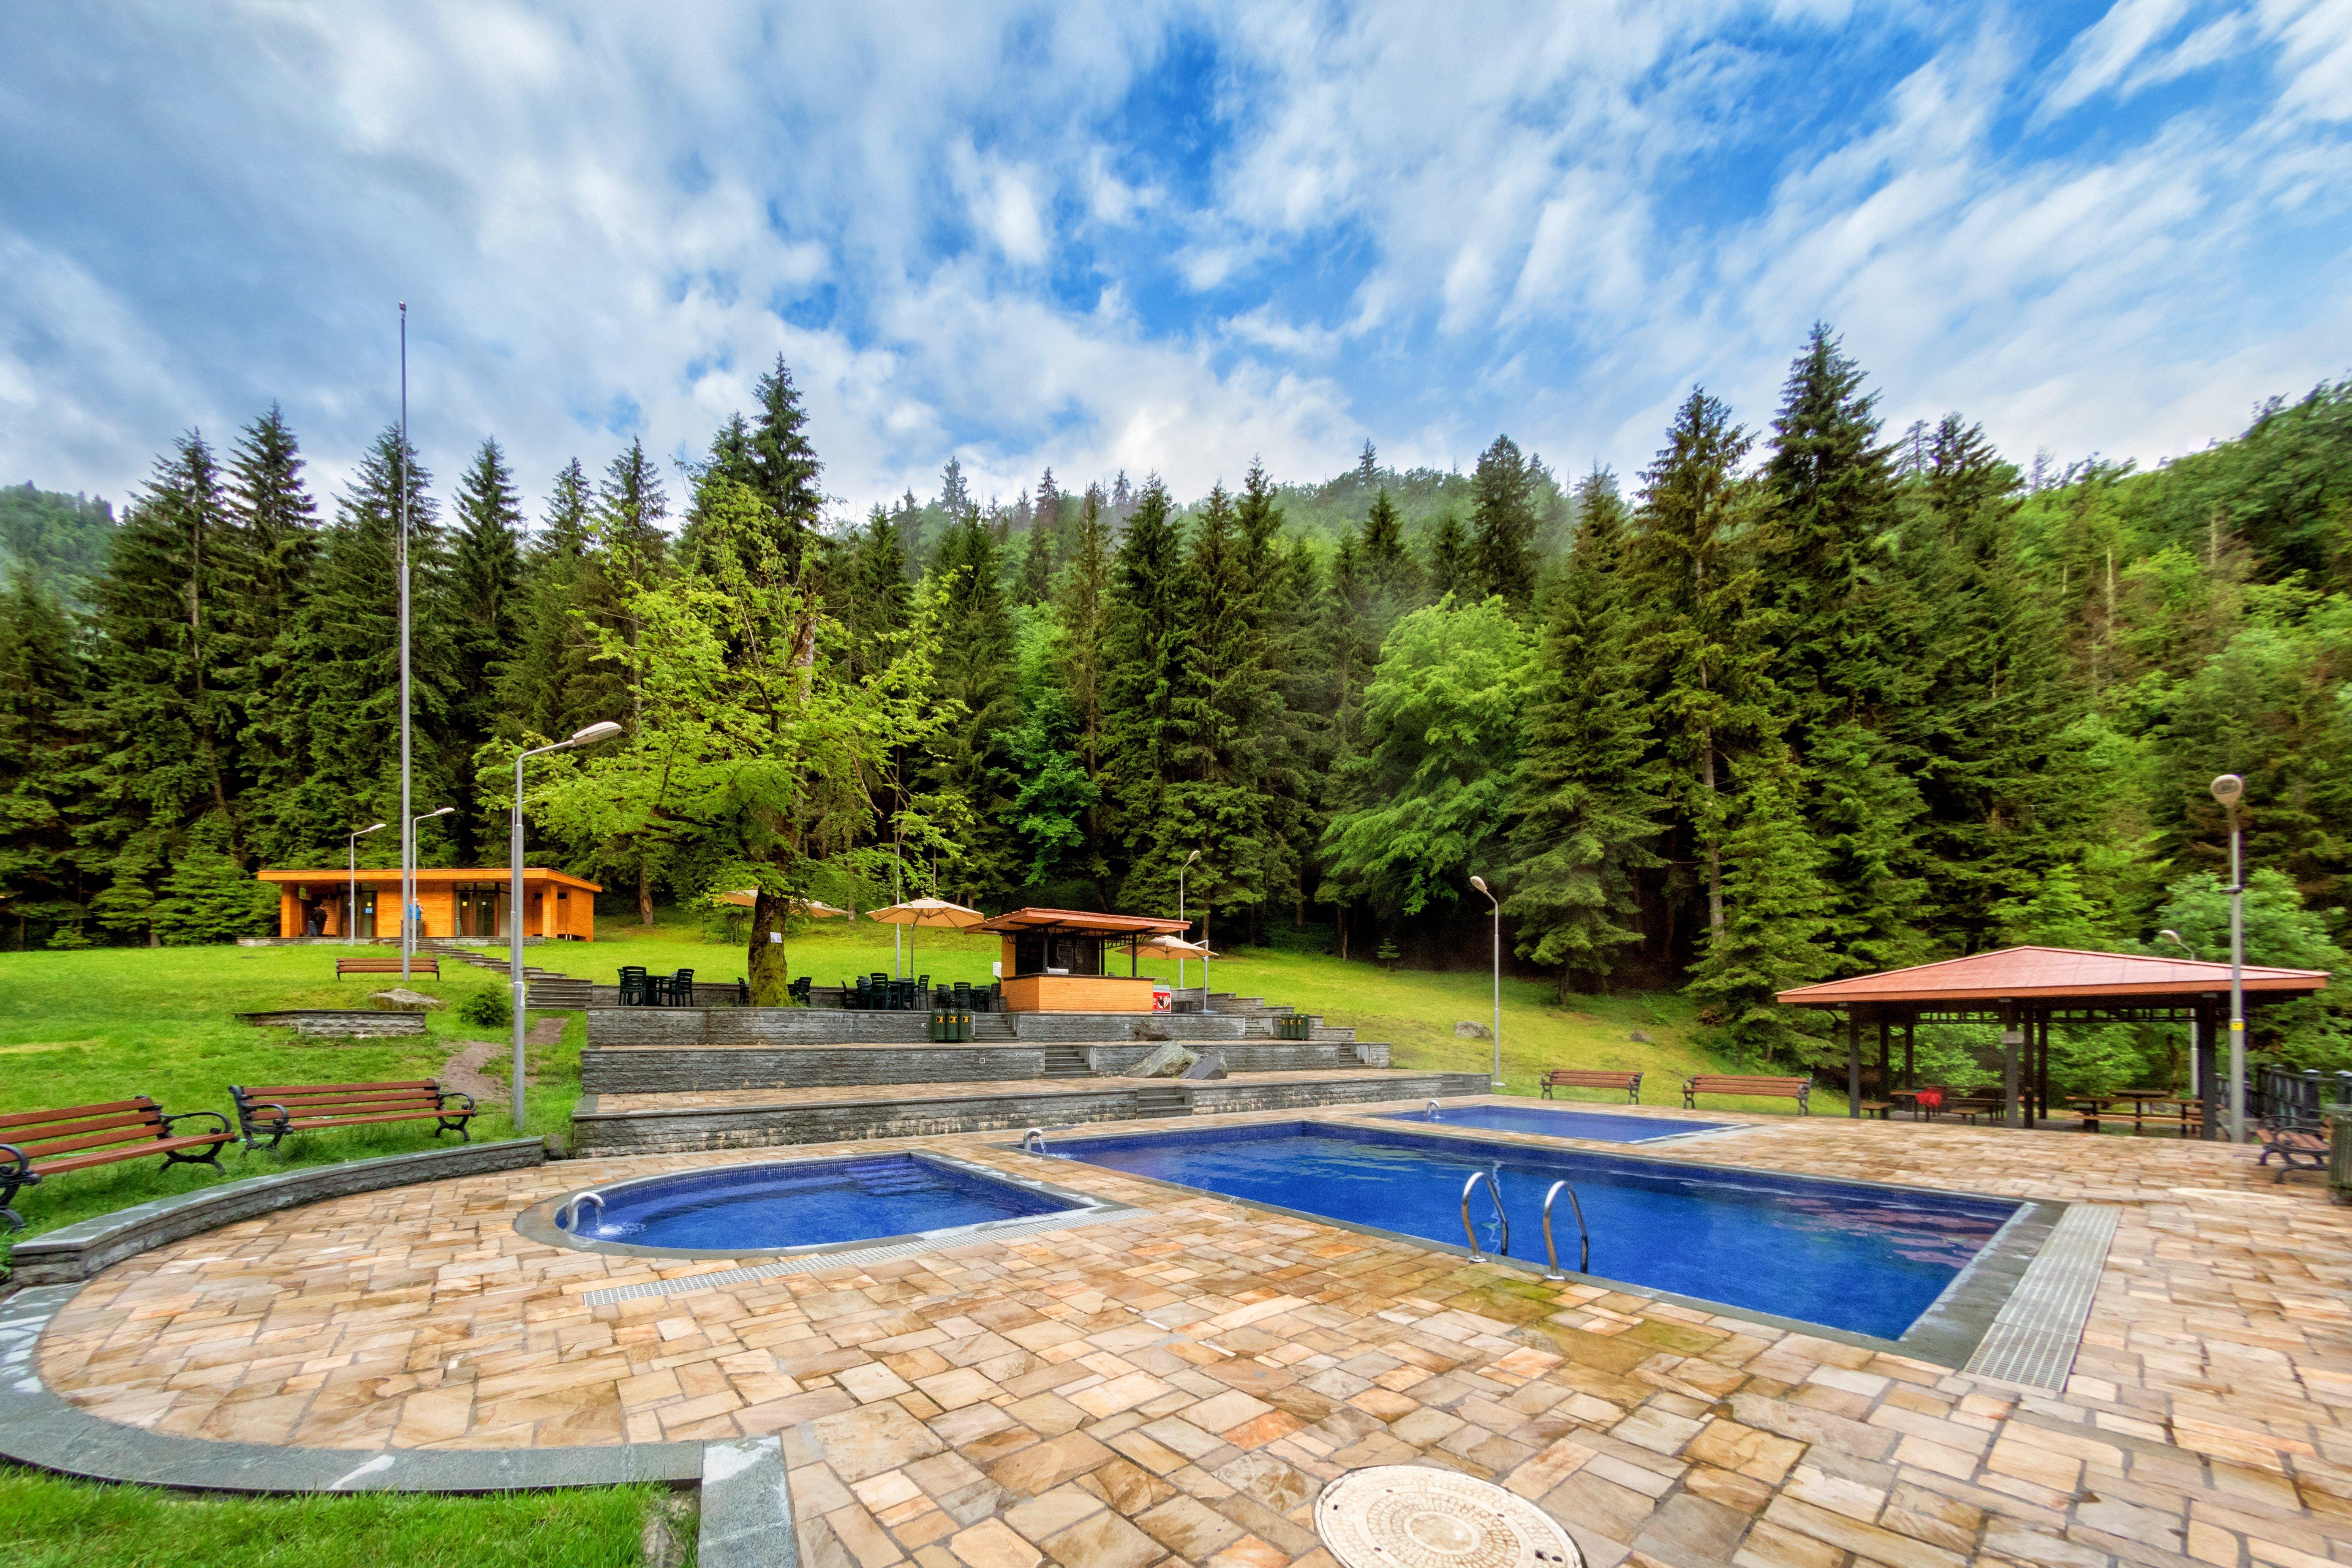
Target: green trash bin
<point>939,1027</point>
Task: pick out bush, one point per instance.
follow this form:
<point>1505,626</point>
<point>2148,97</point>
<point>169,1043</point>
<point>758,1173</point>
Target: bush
<point>487,1010</point>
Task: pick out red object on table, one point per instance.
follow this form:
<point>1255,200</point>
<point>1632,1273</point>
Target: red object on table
<point>1931,1100</point>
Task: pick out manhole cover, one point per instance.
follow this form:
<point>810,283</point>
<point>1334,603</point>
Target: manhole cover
<point>1402,1516</point>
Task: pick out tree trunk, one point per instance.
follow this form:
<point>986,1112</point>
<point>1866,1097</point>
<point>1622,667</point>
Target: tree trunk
<point>644,894</point>
<point>1714,848</point>
<point>764,964</point>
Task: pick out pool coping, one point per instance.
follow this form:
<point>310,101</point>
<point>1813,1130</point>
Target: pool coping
<point>537,1223</point>
<point>1701,1130</point>
<point>1947,1333</point>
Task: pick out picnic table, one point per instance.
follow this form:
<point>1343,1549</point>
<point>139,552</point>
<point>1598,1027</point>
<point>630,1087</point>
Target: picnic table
<point>2090,1107</point>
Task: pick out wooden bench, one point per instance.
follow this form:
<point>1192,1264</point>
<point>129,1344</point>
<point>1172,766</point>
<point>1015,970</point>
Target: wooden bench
<point>419,964</point>
<point>1800,1090</point>
<point>274,1111</point>
<point>1594,1078</point>
<point>38,1145</point>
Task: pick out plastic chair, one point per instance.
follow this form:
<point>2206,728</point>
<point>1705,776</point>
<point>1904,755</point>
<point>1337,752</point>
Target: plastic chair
<point>681,988</point>
<point>634,991</point>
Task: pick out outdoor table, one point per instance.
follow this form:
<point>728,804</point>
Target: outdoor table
<point>2093,1106</point>
<point>2142,1100</point>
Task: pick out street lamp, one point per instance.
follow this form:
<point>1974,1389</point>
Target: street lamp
<point>587,737</point>
<point>351,909</point>
<point>408,890</point>
<point>1195,854</point>
<point>1480,883</point>
<point>2229,789</point>
<point>2174,938</point>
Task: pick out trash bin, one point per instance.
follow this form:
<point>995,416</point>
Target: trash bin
<point>939,1026</point>
<point>2339,1154</point>
<point>963,1025</point>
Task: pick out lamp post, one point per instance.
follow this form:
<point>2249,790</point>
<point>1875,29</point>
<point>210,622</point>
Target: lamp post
<point>408,844</point>
<point>1480,883</point>
<point>587,737</point>
<point>2229,789</point>
<point>351,909</point>
<point>2174,938</point>
<point>1195,854</point>
<point>409,894</point>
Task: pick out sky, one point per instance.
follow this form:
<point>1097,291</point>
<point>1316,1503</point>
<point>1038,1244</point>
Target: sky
<point>1154,238</point>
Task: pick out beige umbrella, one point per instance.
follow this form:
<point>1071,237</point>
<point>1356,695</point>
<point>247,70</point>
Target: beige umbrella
<point>1177,947</point>
<point>926,913</point>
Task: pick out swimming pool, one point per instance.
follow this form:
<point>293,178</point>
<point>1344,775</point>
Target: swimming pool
<point>738,1210</point>
<point>1846,1255</point>
<point>1602,1126</point>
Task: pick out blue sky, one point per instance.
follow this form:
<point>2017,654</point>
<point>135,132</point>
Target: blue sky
<point>1153,237</point>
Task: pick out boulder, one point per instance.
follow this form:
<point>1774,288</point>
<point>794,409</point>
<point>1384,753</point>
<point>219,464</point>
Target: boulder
<point>401,999</point>
<point>1640,1037</point>
<point>1468,1031</point>
<point>1212,1065</point>
<point>1168,1061</point>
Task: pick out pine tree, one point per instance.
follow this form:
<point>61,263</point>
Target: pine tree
<point>1779,918</point>
<point>1694,641</point>
<point>1037,567</point>
<point>1389,570</point>
<point>282,546</point>
<point>1450,568</point>
<point>1145,676</point>
<point>784,466</point>
<point>974,672</point>
<point>536,694</point>
<point>1587,798</point>
<point>486,603</point>
<point>1081,659</point>
<point>45,749</point>
<point>1047,517</point>
<point>1503,517</point>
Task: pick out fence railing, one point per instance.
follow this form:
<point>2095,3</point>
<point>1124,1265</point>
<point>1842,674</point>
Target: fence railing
<point>2298,1091</point>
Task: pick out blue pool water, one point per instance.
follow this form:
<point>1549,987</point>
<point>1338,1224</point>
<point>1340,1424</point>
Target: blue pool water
<point>809,1203</point>
<point>1863,1258</point>
<point>1599,1125</point>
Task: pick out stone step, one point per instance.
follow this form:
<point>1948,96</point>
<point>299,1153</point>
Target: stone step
<point>1158,1102</point>
<point>1067,1061</point>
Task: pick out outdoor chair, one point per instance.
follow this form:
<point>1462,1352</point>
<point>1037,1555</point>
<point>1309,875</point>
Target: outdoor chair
<point>960,997</point>
<point>798,990</point>
<point>679,989</point>
<point>637,990</point>
<point>865,994</point>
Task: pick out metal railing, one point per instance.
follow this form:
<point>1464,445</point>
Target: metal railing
<point>2280,1092</point>
<point>567,1219</point>
<point>1500,1217</point>
<point>1584,1237</point>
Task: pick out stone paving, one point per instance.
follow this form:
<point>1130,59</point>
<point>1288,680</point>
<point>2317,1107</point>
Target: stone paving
<point>1173,1390</point>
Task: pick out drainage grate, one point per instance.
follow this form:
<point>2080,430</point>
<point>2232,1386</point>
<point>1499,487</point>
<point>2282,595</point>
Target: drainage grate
<point>1407,1516</point>
<point>2033,1341</point>
<point>854,1257</point>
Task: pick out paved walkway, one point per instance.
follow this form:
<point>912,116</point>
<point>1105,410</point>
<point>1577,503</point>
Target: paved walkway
<point>1174,1389</point>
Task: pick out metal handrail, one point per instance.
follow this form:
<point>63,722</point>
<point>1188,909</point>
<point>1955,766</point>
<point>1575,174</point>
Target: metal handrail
<point>1551,1253</point>
<point>568,1217</point>
<point>1034,1141</point>
<point>1502,1219</point>
<point>1430,1110</point>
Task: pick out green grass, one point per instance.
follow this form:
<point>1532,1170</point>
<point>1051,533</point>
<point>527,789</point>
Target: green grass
<point>104,1023</point>
<point>57,1523</point>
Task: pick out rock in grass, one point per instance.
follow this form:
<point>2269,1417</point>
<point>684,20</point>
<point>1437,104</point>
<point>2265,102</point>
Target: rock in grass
<point>401,999</point>
<point>1168,1061</point>
<point>1469,1031</point>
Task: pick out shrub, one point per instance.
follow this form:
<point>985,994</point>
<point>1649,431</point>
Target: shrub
<point>487,1009</point>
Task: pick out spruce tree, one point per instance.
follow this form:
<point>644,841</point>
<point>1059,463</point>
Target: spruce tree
<point>486,603</point>
<point>1503,518</point>
<point>1450,566</point>
<point>784,466</point>
<point>1588,797</point>
<point>974,672</point>
<point>1389,570</point>
<point>1145,679</point>
<point>1211,800</point>
<point>1081,659</point>
<point>45,749</point>
<point>282,547</point>
<point>1779,916</point>
<point>1694,642</point>
<point>536,694</point>
<point>1037,567</point>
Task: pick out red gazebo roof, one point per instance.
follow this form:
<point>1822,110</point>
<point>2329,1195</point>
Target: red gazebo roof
<point>2051,975</point>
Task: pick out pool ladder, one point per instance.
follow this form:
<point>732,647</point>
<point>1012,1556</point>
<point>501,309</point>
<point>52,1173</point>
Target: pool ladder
<point>1034,1141</point>
<point>1584,1237</point>
<point>567,1219</point>
<point>1431,1110</point>
<point>1500,1217</point>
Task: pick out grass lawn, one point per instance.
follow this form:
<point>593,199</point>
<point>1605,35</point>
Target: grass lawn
<point>57,1523</point>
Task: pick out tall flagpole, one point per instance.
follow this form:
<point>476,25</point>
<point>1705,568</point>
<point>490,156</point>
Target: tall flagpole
<point>407,819</point>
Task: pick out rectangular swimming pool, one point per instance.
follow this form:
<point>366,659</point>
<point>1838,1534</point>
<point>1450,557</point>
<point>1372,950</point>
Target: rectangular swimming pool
<point>1845,1255</point>
<point>1602,1126</point>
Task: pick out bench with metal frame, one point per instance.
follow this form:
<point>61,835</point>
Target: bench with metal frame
<point>38,1144</point>
<point>420,964</point>
<point>274,1111</point>
<point>1593,1077</point>
<point>1800,1090</point>
<point>2297,1138</point>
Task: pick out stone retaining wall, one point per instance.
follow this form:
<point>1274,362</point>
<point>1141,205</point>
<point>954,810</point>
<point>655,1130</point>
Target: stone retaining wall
<point>755,1127</point>
<point>644,1071</point>
<point>635,1027</point>
<point>354,1024</point>
<point>1253,1055</point>
<point>1242,1094</point>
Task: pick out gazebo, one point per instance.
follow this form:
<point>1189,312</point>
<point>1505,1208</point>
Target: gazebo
<point>1054,959</point>
<point>2025,990</point>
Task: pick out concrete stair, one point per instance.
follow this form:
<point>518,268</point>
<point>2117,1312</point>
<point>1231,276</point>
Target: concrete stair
<point>1163,1101</point>
<point>549,990</point>
<point>992,1027</point>
<point>1064,1061</point>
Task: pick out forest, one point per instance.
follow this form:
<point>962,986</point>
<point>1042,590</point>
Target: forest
<point>1801,698</point>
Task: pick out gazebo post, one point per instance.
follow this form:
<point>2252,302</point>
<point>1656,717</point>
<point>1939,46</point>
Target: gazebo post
<point>2041,1073</point>
<point>2012,1038</point>
<point>2208,1085</point>
<point>1886,1068</point>
<point>1910,1072</point>
<point>1853,1063</point>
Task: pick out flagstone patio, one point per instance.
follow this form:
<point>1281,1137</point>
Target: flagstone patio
<point>1174,1388</point>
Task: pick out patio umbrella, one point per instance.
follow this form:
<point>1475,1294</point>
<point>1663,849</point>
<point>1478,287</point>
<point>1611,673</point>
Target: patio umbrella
<point>926,913</point>
<point>744,897</point>
<point>1176,947</point>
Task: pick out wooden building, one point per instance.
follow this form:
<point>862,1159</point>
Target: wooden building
<point>1065,961</point>
<point>454,902</point>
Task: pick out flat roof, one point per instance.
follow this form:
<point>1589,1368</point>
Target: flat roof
<point>1080,923</point>
<point>2046,974</point>
<point>432,874</point>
